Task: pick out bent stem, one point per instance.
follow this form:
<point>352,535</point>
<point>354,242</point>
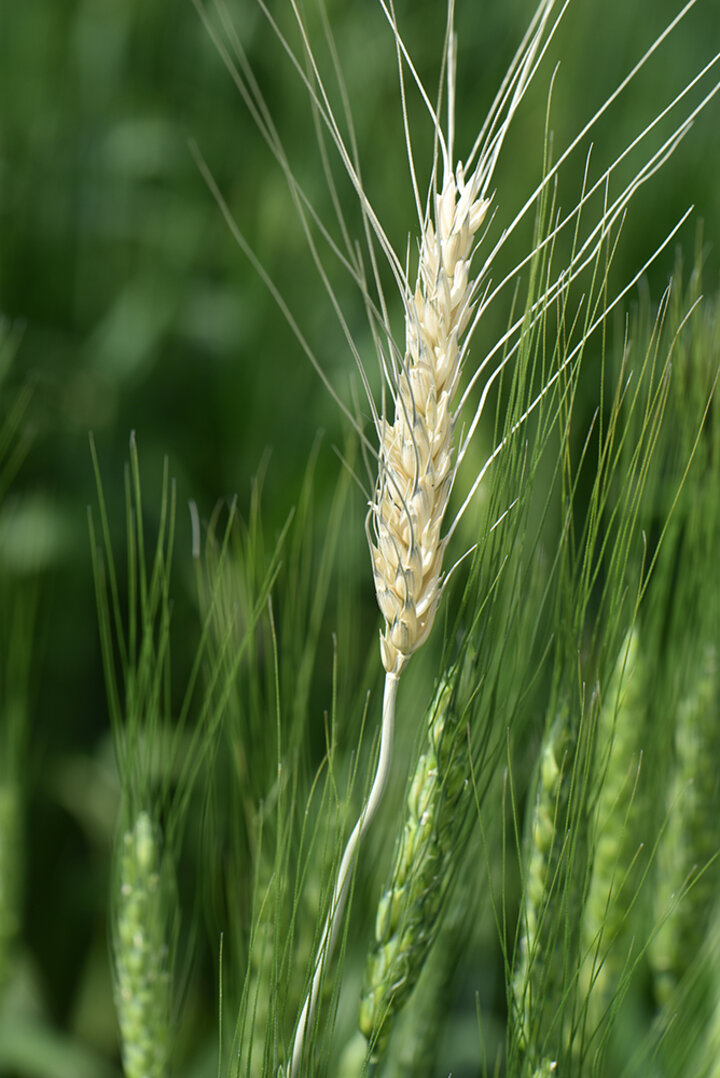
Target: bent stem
<point>342,884</point>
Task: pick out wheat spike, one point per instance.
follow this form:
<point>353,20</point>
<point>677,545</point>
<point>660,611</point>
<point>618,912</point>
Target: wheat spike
<point>688,872</point>
<point>142,965</point>
<point>616,866</point>
<point>416,449</point>
<point>407,915</point>
<point>537,982</point>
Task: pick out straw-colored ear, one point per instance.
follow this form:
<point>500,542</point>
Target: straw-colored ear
<point>416,448</point>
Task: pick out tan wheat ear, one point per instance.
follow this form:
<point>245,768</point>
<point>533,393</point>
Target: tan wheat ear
<point>416,463</point>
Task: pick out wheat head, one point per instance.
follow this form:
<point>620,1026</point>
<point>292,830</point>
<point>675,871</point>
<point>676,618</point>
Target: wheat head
<point>687,872</point>
<point>416,449</point>
<point>408,911</point>
<point>537,981</point>
<point>142,966</point>
<point>616,853</point>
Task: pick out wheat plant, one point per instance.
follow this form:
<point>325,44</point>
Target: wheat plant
<point>531,442</point>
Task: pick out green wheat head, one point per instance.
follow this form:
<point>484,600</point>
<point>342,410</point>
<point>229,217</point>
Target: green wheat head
<point>616,866</point>
<point>414,1047</point>
<point>538,977</point>
<point>407,916</point>
<point>687,869</point>
<point>142,952</point>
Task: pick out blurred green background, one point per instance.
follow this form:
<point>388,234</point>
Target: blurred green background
<point>137,311</point>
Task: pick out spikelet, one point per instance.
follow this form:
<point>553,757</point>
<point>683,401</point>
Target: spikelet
<point>690,840</point>
<point>407,914</point>
<point>416,450</point>
<point>9,875</point>
<point>537,982</point>
<point>141,952</point>
<point>614,841</point>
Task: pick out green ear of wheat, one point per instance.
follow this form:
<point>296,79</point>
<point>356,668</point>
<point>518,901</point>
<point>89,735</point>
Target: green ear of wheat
<point>538,978</point>
<point>688,866</point>
<point>407,915</point>
<point>142,949</point>
<point>616,848</point>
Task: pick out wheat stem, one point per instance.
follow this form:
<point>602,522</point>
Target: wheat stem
<point>342,884</point>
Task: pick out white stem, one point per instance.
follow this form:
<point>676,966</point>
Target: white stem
<point>342,884</point>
